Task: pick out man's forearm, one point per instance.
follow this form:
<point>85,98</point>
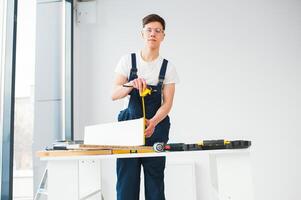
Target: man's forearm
<point>120,92</point>
<point>161,113</point>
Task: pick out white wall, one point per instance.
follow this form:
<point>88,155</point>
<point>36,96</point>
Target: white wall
<point>239,63</point>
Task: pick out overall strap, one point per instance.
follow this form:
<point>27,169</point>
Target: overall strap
<point>162,72</point>
<point>133,73</point>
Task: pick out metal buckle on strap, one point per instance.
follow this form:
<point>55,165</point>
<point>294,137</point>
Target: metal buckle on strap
<point>133,73</point>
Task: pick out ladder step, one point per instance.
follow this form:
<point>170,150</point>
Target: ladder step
<point>42,191</point>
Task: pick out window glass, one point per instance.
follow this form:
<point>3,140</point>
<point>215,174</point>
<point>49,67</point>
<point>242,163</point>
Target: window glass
<point>24,101</point>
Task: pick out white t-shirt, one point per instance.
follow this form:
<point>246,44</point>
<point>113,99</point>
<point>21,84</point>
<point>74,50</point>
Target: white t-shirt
<point>149,71</point>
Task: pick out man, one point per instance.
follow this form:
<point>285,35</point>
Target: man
<point>141,70</point>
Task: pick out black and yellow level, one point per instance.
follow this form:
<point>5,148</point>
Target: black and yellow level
<point>203,145</point>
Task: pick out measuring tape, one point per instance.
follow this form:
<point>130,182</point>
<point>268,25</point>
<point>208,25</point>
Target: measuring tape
<point>144,93</point>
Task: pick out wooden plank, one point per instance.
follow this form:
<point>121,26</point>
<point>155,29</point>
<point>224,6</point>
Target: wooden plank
<point>73,152</point>
<point>96,150</point>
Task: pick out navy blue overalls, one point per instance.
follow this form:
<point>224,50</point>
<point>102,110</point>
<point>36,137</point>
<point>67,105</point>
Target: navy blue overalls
<point>128,169</point>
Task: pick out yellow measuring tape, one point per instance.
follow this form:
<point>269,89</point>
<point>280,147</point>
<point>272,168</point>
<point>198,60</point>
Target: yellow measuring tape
<point>145,92</point>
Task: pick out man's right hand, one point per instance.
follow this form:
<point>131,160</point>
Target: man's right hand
<point>139,84</point>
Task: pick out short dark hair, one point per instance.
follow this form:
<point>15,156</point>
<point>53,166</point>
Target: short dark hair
<point>153,18</point>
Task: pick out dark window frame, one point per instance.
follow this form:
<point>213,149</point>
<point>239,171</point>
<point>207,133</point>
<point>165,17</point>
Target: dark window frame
<point>7,139</point>
<point>69,127</point>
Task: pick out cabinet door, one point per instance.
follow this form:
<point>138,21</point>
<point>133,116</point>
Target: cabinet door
<point>180,177</point>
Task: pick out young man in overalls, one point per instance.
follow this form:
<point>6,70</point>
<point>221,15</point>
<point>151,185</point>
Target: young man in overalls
<point>140,70</point>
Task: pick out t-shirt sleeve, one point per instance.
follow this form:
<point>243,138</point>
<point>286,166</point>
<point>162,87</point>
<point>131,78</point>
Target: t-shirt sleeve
<point>171,75</point>
<point>123,66</point>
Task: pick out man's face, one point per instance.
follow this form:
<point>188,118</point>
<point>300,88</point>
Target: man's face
<point>153,34</point>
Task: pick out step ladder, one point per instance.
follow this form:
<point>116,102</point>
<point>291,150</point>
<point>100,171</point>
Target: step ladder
<point>42,189</point>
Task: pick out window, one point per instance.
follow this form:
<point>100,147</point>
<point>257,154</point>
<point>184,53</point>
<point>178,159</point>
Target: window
<point>24,101</point>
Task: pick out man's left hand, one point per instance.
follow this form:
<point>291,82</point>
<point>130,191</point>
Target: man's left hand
<point>150,128</point>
